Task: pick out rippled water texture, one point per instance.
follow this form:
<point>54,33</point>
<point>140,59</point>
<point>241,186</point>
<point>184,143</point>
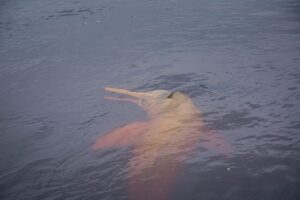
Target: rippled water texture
<point>237,60</point>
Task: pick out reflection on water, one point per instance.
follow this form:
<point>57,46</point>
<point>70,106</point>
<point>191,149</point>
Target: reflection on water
<point>237,60</point>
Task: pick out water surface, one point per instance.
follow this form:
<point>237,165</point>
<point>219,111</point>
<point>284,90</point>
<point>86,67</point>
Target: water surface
<point>237,60</point>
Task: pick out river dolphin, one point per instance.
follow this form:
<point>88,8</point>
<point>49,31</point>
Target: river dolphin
<point>160,144</point>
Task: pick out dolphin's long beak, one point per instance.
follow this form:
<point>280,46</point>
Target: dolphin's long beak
<point>126,92</point>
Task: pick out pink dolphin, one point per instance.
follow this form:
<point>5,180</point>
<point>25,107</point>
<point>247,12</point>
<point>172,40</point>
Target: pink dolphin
<point>160,144</point>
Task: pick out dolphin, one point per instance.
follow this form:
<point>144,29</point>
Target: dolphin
<point>161,144</point>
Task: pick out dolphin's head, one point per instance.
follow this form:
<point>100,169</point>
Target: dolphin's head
<point>158,101</point>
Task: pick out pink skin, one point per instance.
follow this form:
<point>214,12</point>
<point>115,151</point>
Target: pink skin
<point>148,157</point>
<point>123,136</point>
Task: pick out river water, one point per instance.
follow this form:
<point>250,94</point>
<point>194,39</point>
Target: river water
<point>239,61</point>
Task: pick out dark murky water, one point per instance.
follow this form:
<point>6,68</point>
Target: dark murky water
<point>238,60</point>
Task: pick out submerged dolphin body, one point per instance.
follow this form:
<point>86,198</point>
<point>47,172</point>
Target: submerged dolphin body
<point>161,144</point>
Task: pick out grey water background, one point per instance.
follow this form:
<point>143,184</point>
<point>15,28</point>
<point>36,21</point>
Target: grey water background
<point>238,61</point>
